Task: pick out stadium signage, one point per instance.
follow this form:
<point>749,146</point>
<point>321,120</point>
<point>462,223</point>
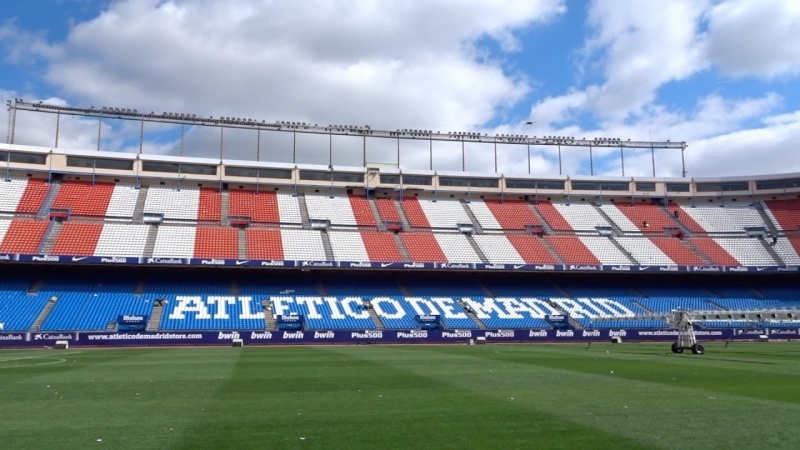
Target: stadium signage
<point>68,259</point>
<point>584,267</point>
<point>260,335</point>
<point>172,261</point>
<point>324,335</point>
<point>274,263</point>
<point>455,265</point>
<point>53,337</point>
<point>457,334</point>
<point>315,263</point>
<point>12,337</point>
<point>209,262</point>
<point>412,334</point>
<point>378,336</point>
<point>131,319</point>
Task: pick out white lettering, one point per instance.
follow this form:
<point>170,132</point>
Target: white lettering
<point>379,303</point>
<point>189,303</point>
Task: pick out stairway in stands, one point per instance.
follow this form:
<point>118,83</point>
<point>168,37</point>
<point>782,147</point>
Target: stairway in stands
<point>150,242</point>
<point>50,237</point>
<point>242,237</point>
<point>155,318</point>
<point>44,211</point>
<point>37,324</point>
<point>401,247</point>
<point>225,201</point>
<point>477,249</point>
<point>472,218</point>
<point>326,245</point>
<point>402,214</point>
<point>378,219</point>
<point>269,319</point>
<point>138,209</point>
<point>374,316</point>
<point>471,315</point>
<point>301,200</point>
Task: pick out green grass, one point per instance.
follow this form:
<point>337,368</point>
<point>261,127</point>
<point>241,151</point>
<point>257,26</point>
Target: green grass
<point>481,397</point>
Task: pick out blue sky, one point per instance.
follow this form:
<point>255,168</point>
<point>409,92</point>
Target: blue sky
<point>720,75</point>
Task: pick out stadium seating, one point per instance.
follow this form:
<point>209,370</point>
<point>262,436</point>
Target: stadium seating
<point>302,245</point>
<point>432,213</point>
<point>326,313</point>
<point>498,249</point>
<point>260,207</point>
<point>264,243</point>
<point>423,247</point>
<point>22,195</point>
<point>77,239</point>
<point>747,251</point>
<point>581,216</point>
<point>174,242</point>
<point>21,236</point>
<point>714,251</point>
<point>333,207</point>
<point>86,306</point>
<point>381,247</point>
<point>646,217</point>
<point>18,310</point>
<point>723,217</point>
<point>122,240</point>
<point>572,250</point>
<point>784,214</point>
<point>348,246</point>
<point>604,250</point>
<point>216,242</point>
<point>209,207</point>
<point>553,218</point>
<point>83,198</point>
<point>677,251</point>
<point>362,211</point>
<point>645,251</point>
<point>505,215</point>
<point>388,210</point>
<point>174,204</point>
<point>456,248</point>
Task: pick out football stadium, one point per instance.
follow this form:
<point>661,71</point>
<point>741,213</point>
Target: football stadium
<point>165,301</point>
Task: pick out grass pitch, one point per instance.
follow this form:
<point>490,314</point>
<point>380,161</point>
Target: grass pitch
<point>482,397</point>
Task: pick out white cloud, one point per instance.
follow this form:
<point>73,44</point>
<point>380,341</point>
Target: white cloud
<point>755,38</point>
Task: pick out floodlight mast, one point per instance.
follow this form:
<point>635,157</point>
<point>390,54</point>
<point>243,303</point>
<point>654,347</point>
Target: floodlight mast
<point>340,130</point>
<point>684,321</point>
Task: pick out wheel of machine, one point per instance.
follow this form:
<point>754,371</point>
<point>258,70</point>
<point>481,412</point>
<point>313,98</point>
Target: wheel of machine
<point>676,348</point>
<point>698,349</point>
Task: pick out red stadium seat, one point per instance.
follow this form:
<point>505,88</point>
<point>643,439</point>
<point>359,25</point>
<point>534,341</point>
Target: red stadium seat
<point>512,214</point>
<point>260,207</point>
<point>216,242</point>
<point>79,239</point>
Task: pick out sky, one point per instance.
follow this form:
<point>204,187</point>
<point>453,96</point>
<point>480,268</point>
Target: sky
<point>723,76</point>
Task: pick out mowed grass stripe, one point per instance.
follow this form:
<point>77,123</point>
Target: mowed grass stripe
<point>348,398</point>
<point>733,371</point>
<point>401,397</point>
<point>654,413</point>
<point>95,397</point>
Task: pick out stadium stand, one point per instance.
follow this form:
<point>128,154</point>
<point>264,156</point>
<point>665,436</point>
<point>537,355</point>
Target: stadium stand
<point>572,250</point>
<point>387,210</point>
<point>333,207</point>
<point>78,239</point>
<point>645,217</point>
<point>503,215</point>
<point>216,242</point>
<point>263,243</point>
<point>785,214</point>
<point>21,236</point>
<point>121,240</point>
<point>22,195</point>
<point>381,247</point>
<point>423,247</point>
<point>260,207</point>
<point>174,204</point>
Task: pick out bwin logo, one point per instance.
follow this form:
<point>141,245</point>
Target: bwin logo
<point>591,333</point>
<point>565,333</point>
<point>292,335</point>
<point>231,335</point>
<point>324,335</point>
<point>620,333</point>
<point>260,335</point>
<point>537,333</point>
